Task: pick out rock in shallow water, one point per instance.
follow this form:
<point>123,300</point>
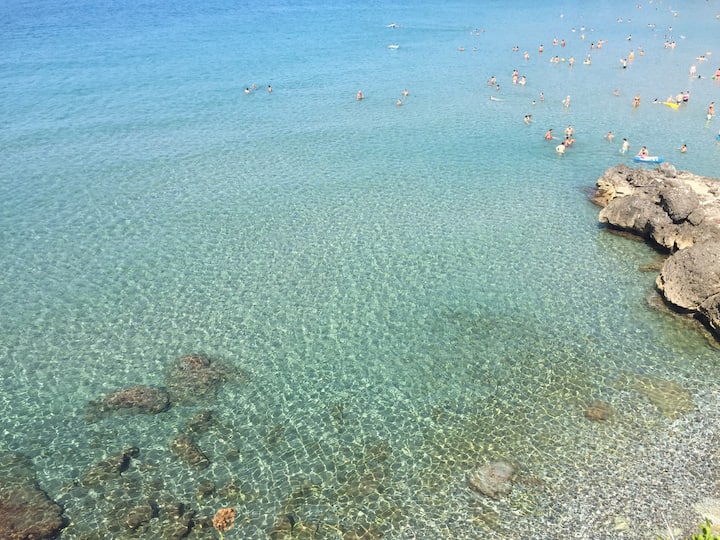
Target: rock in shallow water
<point>185,448</point>
<point>493,479</point>
<point>670,397</point>
<point>139,398</point>
<point>111,467</point>
<point>680,212</point>
<point>193,377</point>
<point>598,411</point>
<point>139,516</point>
<point>26,512</point>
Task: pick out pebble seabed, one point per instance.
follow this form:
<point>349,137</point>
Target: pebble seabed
<point>648,469</point>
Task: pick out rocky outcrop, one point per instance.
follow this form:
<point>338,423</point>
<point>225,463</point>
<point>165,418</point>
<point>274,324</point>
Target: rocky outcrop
<point>678,212</point>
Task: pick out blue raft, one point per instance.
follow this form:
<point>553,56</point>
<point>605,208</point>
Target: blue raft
<point>648,159</point>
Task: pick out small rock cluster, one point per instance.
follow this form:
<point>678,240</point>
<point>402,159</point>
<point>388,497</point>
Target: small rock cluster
<point>189,379</point>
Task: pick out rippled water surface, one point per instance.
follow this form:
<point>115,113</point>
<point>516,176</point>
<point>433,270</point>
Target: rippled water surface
<point>394,294</point>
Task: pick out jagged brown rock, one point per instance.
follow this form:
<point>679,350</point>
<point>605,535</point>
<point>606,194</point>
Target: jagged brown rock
<point>679,212</point>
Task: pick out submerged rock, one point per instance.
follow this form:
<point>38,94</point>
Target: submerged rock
<point>111,467</point>
<point>598,411</point>
<point>199,423</point>
<point>195,376</point>
<point>670,397</point>
<point>493,479</point>
<point>139,516</point>
<point>140,399</point>
<point>185,448</point>
<point>26,511</point>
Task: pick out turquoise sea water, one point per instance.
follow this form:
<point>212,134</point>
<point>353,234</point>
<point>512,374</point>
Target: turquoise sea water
<point>408,291</point>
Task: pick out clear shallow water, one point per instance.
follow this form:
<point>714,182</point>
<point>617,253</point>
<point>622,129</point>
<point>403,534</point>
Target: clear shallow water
<point>408,291</point>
